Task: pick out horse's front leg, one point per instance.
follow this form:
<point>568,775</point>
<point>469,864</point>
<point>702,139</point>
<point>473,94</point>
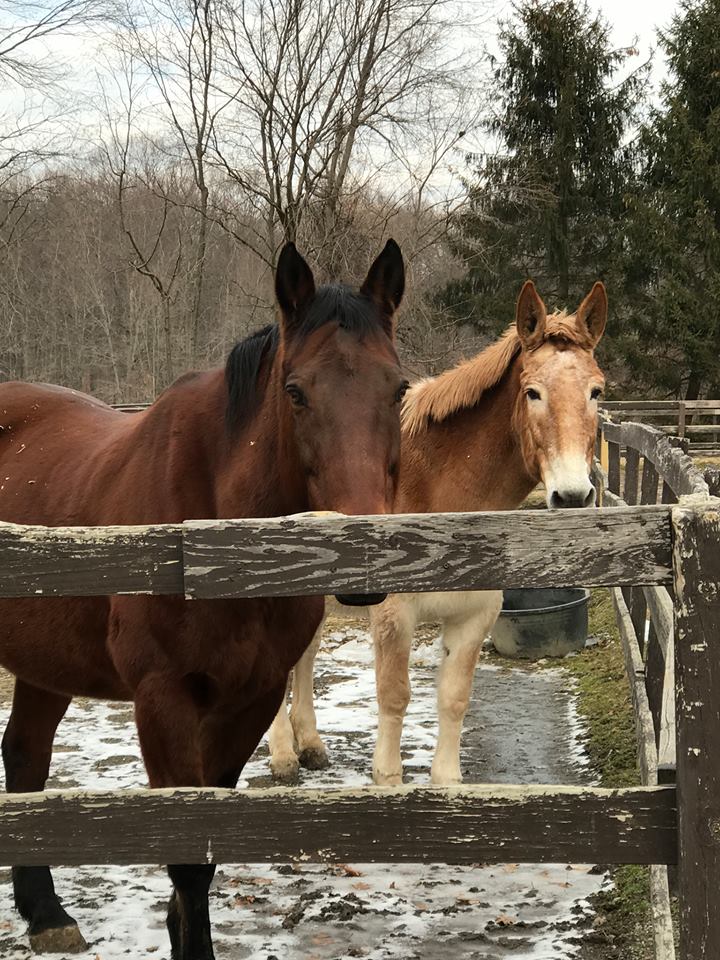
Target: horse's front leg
<point>463,636</point>
<point>168,723</point>
<point>26,751</point>
<point>311,750</point>
<point>393,626</point>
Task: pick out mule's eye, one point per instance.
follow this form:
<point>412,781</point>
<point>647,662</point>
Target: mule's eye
<point>596,393</point>
<point>532,394</point>
<point>296,395</point>
<point>401,391</point>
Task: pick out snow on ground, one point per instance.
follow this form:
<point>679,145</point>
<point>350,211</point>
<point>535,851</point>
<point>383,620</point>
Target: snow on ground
<point>522,727</point>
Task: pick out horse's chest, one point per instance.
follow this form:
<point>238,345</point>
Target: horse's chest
<point>257,643</point>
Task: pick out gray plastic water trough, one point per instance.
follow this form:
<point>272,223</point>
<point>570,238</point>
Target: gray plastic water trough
<point>542,623</point>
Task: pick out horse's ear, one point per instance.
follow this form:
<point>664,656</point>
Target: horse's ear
<point>294,284</point>
<point>592,313</point>
<point>385,282</point>
<point>530,316</point>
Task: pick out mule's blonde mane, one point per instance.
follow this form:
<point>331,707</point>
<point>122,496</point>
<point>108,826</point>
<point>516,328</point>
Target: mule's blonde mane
<point>435,398</point>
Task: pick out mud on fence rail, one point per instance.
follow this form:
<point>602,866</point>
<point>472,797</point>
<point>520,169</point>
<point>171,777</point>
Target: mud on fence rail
<point>652,545</point>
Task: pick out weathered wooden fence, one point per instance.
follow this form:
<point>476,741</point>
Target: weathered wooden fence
<point>644,466</point>
<point>696,420</point>
<point>671,549</point>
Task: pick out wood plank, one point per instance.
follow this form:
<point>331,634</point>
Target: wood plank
<point>673,465</point>
<point>696,527</point>
<point>413,553</point>
<point>635,669</point>
<point>663,933</point>
<point>642,405</point>
<point>468,824</point>
<point>650,482</point>
<point>89,561</point>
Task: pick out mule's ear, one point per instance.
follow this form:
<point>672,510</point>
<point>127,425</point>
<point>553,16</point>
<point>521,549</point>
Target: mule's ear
<point>530,316</point>
<point>385,282</point>
<point>294,282</point>
<point>592,313</point>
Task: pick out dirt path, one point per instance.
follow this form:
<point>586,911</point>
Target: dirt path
<point>522,728</point>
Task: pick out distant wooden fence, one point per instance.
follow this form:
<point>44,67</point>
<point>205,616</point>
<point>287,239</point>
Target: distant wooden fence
<point>696,420</point>
<point>654,546</point>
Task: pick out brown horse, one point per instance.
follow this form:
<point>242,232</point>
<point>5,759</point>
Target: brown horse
<point>305,416</point>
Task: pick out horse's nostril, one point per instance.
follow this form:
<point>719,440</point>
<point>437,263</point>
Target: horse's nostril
<point>590,498</point>
<point>556,501</point>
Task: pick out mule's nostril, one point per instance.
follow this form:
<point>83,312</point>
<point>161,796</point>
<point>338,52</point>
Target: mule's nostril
<point>572,498</point>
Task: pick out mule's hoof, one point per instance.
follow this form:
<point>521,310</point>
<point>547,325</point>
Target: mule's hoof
<point>387,779</point>
<point>285,770</point>
<point>314,758</point>
<point>58,940</point>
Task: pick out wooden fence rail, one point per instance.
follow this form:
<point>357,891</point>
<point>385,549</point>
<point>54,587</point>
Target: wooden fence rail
<point>469,824</point>
<point>649,547</point>
<point>324,554</point>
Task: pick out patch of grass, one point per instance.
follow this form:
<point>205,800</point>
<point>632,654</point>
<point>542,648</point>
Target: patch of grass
<point>606,709</point>
<point>604,698</point>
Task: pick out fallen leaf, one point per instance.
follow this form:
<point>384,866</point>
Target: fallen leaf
<point>503,920</point>
<point>343,870</point>
<point>244,900</point>
<point>421,906</point>
<point>510,867</point>
<point>360,885</point>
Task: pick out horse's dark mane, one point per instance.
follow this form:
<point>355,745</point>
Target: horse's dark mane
<point>352,311</point>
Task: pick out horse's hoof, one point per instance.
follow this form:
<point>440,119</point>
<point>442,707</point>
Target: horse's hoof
<point>66,939</point>
<point>285,770</point>
<point>314,758</point>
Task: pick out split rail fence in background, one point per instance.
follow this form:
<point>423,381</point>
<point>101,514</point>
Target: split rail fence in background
<point>698,421</point>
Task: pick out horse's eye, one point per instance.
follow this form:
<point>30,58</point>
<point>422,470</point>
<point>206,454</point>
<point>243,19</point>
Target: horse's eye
<point>532,394</point>
<point>596,393</point>
<point>296,395</point>
<point>401,391</point>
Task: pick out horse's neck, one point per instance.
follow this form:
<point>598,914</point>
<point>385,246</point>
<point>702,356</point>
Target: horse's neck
<point>259,473</point>
<point>195,467</point>
<point>470,461</point>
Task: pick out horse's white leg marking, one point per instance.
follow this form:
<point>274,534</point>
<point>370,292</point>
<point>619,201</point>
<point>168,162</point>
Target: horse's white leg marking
<point>393,626</point>
<point>310,748</point>
<point>283,759</point>
<point>463,636</point>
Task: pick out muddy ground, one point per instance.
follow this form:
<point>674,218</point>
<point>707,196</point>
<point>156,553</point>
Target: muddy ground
<point>522,728</point>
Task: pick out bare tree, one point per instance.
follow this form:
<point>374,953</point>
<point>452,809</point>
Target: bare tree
<point>324,88</point>
<point>176,43</point>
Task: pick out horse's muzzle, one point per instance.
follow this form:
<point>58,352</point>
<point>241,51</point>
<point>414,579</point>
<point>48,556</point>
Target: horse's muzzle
<point>359,599</point>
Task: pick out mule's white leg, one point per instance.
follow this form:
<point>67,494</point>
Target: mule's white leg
<point>463,636</point>
<point>310,748</point>
<point>283,759</point>
<point>393,626</point>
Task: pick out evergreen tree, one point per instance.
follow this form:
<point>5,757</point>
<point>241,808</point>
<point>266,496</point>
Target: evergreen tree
<point>547,204</point>
<point>671,337</point>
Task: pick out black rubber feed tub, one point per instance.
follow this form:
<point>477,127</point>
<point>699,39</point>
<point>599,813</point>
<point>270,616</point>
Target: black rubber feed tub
<point>542,623</point>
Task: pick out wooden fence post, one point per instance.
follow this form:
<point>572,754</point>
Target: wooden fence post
<point>696,568</point>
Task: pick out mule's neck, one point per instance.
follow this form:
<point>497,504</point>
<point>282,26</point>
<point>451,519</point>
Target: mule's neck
<point>472,460</point>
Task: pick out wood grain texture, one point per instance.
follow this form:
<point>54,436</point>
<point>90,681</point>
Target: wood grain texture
<point>469,824</point>
<point>635,669</point>
<point>89,561</point>
<point>414,553</point>
<point>696,527</point>
<point>673,465</point>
